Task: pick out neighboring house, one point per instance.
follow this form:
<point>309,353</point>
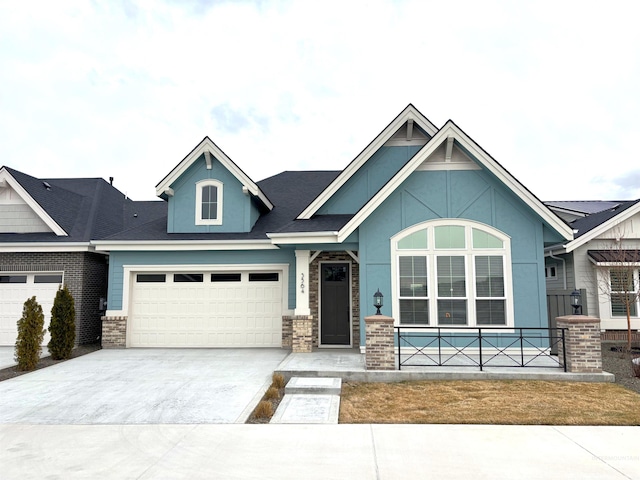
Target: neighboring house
<point>45,230</point>
<point>423,214</point>
<point>603,238</point>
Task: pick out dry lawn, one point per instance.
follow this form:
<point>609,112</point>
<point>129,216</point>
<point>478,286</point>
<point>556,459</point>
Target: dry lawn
<point>490,402</point>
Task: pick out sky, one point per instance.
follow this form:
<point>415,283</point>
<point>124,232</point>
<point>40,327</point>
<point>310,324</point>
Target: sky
<point>125,89</point>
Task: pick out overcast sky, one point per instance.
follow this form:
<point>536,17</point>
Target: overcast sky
<point>128,88</point>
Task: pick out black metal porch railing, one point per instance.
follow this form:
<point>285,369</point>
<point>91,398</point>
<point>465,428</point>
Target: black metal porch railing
<point>420,346</point>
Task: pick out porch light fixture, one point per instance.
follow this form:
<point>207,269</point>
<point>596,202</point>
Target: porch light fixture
<point>576,303</point>
<point>377,301</point>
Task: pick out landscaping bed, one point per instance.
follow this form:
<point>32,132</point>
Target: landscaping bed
<point>47,361</point>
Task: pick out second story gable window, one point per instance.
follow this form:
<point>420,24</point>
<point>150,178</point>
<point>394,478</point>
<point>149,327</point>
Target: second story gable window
<point>209,202</point>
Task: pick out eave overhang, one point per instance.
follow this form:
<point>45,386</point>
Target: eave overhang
<point>206,147</point>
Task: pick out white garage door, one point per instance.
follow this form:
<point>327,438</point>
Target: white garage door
<point>15,289</point>
<point>208,309</point>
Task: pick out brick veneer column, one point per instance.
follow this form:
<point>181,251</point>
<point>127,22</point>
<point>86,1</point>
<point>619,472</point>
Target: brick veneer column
<point>114,332</point>
<point>287,331</point>
<point>380,353</point>
<point>302,333</point>
<point>582,342</point>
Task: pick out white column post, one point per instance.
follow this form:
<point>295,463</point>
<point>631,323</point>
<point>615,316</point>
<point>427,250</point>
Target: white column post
<point>302,282</point>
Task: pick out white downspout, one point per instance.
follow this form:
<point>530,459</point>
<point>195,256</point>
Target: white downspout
<point>564,268</point>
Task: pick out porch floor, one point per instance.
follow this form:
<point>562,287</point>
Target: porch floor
<point>349,365</point>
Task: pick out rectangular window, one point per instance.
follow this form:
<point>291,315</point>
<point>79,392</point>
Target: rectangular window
<point>414,304</point>
<point>209,202</point>
<point>188,277</point>
<point>452,290</point>
<point>225,277</point>
<point>13,279</point>
<point>623,290</point>
<point>550,272</point>
<point>490,296</point>
<point>264,277</point>
<point>53,278</point>
<point>151,278</point>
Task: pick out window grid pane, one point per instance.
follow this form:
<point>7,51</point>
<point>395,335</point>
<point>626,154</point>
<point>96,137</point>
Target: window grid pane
<point>489,276</point>
<point>452,312</point>
<point>490,312</point>
<point>417,240</point>
<point>414,312</point>
<point>413,276</point>
<point>209,202</point>
<point>451,277</point>
<point>450,236</point>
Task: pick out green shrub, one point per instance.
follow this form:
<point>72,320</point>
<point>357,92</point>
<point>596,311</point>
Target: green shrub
<point>30,335</point>
<point>63,325</point>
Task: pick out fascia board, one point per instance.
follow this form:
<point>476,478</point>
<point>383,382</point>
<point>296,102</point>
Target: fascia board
<point>451,129</point>
<point>182,245</point>
<point>35,206</point>
<point>409,113</point>
<point>303,238</point>
<point>49,247</point>
<point>603,227</point>
<point>514,185</point>
<point>207,144</point>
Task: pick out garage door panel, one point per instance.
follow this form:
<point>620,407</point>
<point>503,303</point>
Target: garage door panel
<point>12,298</point>
<point>206,314</point>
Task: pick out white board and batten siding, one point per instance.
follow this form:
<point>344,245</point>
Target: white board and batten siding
<point>15,289</point>
<point>206,309</point>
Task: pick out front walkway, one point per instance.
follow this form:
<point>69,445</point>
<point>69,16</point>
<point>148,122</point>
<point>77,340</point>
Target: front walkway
<point>348,364</point>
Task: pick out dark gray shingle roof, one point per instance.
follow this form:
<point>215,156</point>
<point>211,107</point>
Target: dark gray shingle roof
<point>588,223</point>
<point>85,208</point>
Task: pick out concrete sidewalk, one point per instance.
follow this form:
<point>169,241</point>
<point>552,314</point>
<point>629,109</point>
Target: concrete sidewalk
<point>318,452</point>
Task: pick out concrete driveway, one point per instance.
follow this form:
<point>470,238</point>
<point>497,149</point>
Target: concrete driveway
<point>142,386</point>
<point>6,357</point>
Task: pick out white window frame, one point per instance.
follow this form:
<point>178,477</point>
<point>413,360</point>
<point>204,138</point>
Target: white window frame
<point>199,187</point>
<point>636,282</point>
<point>431,254</point>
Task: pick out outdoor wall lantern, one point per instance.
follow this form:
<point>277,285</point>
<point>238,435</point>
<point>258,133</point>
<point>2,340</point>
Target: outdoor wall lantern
<point>377,301</point>
<point>575,302</point>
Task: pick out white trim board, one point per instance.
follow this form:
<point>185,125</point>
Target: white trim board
<point>452,130</point>
<point>409,113</point>
<point>206,145</point>
<point>5,176</point>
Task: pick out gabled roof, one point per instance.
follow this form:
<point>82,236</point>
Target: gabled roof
<point>57,208</point>
<point>290,192</point>
<point>592,226</point>
<point>409,113</point>
<point>83,209</point>
<point>206,147</point>
<point>449,130</point>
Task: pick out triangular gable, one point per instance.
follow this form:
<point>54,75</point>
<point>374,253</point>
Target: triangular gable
<point>7,180</point>
<point>409,114</point>
<point>451,130</point>
<point>209,149</point>
<point>606,225</point>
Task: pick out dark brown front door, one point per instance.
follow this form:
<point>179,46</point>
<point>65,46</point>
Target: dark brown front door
<point>334,304</point>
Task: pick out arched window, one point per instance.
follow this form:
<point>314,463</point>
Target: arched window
<point>452,273</point>
<point>209,202</point>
